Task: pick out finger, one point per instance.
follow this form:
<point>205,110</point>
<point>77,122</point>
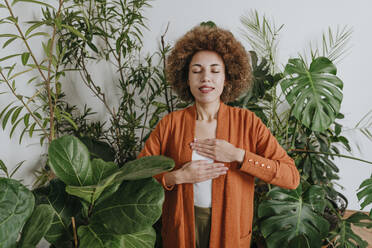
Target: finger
<point>203,145</point>
<point>210,141</point>
<point>206,154</point>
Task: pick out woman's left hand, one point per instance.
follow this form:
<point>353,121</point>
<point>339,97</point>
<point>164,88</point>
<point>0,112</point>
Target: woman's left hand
<point>219,150</point>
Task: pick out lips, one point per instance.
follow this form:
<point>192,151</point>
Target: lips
<point>206,89</point>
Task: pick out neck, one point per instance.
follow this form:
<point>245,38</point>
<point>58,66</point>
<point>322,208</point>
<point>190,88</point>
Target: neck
<point>207,111</point>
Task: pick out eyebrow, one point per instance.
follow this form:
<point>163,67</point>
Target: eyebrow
<point>210,65</point>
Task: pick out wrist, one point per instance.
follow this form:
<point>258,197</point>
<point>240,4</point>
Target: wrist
<point>240,155</point>
<point>172,178</point>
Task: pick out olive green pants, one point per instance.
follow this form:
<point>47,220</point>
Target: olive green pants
<point>202,226</point>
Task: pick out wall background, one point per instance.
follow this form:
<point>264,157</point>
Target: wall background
<point>303,21</point>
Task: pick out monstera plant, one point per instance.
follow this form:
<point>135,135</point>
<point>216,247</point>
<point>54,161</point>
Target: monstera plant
<point>91,203</point>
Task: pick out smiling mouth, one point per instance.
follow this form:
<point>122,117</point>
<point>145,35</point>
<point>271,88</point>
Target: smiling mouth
<point>206,89</point>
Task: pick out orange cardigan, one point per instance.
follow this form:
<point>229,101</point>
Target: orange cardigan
<point>232,194</point>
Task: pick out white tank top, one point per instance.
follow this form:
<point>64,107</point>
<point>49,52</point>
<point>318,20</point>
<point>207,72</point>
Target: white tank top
<point>202,190</point>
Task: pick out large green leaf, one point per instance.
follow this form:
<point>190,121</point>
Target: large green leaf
<point>99,149</point>
<point>133,207</point>
<point>70,161</point>
<point>292,218</point>
<point>144,239</point>
<point>96,236</point>
<point>37,225</point>
<point>64,207</point>
<point>137,169</point>
<point>16,206</point>
<point>365,192</point>
<point>314,93</point>
<point>344,236</point>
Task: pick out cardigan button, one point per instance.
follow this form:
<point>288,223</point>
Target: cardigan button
<point>268,166</point>
<point>256,162</point>
<point>250,160</point>
<point>262,165</point>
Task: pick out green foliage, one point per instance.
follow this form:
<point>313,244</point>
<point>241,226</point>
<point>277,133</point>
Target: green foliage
<point>37,225</point>
<point>315,92</point>
<point>344,236</point>
<point>118,204</point>
<point>291,218</point>
<point>306,124</point>
<point>365,192</point>
<point>17,204</point>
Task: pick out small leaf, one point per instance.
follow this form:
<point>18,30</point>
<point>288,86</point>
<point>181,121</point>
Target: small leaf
<point>16,168</point>
<point>74,31</point>
<point>38,34</point>
<point>34,26</point>
<point>25,57</point>
<point>64,116</point>
<point>7,115</point>
<point>16,113</point>
<point>26,119</point>
<point>9,41</point>
<point>4,168</point>
<point>14,127</point>
<point>2,112</point>
<point>9,57</point>
<point>31,130</point>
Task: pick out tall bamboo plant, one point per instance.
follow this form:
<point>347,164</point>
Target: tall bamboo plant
<point>308,127</point>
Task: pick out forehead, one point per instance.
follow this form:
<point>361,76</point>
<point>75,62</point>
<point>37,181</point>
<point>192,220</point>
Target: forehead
<point>206,58</point>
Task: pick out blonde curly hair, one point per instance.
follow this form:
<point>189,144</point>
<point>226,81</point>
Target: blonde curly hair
<point>237,67</point>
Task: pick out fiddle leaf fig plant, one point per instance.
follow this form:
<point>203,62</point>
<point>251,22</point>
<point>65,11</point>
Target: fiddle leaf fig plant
<point>119,205</point>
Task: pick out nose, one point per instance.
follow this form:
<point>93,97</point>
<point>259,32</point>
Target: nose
<point>206,77</point>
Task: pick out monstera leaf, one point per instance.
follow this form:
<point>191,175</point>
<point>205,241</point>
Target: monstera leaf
<point>135,206</point>
<point>291,218</point>
<point>16,206</point>
<point>365,192</point>
<point>344,236</point>
<point>96,236</point>
<point>314,93</point>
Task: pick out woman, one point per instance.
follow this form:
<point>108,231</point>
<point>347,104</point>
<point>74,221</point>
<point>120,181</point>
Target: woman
<point>218,150</point>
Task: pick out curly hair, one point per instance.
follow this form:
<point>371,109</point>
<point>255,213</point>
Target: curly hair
<point>237,66</point>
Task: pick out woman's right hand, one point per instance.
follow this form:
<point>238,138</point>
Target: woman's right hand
<point>195,171</point>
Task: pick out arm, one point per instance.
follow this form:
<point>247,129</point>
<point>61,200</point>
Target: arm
<point>270,163</point>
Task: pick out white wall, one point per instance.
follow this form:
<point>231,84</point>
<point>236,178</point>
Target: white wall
<point>304,21</point>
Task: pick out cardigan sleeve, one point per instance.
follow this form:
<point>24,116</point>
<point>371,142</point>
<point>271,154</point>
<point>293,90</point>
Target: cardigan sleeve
<point>270,163</point>
<point>153,146</point>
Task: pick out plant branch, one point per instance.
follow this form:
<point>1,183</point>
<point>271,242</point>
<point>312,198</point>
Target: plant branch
<point>47,83</point>
<point>25,41</point>
<point>24,104</point>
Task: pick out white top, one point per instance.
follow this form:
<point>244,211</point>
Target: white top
<point>202,190</point>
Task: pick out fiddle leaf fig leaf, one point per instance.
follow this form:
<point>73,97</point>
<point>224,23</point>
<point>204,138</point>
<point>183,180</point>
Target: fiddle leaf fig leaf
<point>37,225</point>
<point>64,207</point>
<point>144,167</point>
<point>96,236</point>
<point>291,218</point>
<point>70,161</point>
<point>133,207</point>
<point>315,93</point>
<point>145,239</point>
<point>16,206</point>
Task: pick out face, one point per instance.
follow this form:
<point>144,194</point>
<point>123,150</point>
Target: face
<point>206,76</point>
